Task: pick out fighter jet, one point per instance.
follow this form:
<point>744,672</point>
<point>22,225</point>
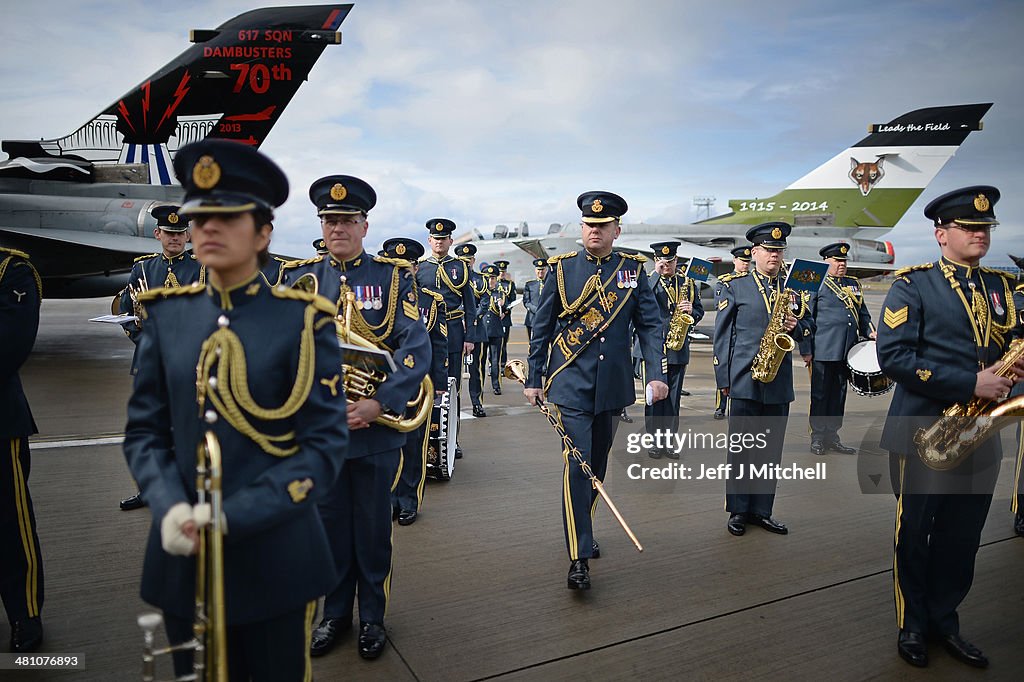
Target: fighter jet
<point>80,204</point>
<point>856,196</point>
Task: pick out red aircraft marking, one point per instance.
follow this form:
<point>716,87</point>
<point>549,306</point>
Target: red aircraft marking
<point>124,114</point>
<point>179,94</point>
<point>259,116</point>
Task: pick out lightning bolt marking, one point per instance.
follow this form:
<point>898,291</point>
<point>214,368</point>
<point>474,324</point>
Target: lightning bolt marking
<point>124,113</point>
<point>179,94</point>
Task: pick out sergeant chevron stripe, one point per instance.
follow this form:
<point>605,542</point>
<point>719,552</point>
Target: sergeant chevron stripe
<point>894,318</point>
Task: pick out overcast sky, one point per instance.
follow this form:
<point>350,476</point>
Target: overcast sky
<point>500,111</point>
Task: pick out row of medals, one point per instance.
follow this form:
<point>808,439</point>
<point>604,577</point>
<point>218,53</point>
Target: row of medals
<point>363,302</point>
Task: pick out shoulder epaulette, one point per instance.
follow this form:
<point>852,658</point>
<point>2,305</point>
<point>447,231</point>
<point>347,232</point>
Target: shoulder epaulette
<point>317,301</point>
<point>300,263</point>
<point>554,259</point>
<point>634,256</point>
<point>903,272</point>
<point>727,279</point>
<point>400,262</point>
<point>14,252</point>
<point>146,257</point>
<point>437,297</point>
<point>167,292</point>
<point>1019,287</point>
<point>1002,273</point>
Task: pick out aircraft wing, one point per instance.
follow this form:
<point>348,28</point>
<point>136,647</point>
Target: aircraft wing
<point>99,240</point>
<point>534,247</point>
<point>685,250</point>
<point>863,270</point>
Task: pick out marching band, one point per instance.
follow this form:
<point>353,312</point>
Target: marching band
<point>325,429</point>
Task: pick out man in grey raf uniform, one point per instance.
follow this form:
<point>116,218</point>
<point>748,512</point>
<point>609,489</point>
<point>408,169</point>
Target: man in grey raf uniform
<point>741,265</point>
<point>172,267</point>
<point>840,319</point>
<point>581,338</point>
<point>531,293</point>
<point>511,294</point>
<point>450,277</point>
<point>493,312</point>
<point>476,360</point>
<point>21,563</point>
<point>744,313</point>
<point>944,326</point>
<point>376,297</point>
<point>672,291</point>
<point>407,496</point>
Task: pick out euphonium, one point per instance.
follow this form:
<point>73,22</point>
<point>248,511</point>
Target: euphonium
<point>209,641</point>
<point>678,328</point>
<point>361,383</point>
<point>776,344</point>
<point>964,426</point>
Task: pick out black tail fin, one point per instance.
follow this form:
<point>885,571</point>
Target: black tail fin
<point>233,83</point>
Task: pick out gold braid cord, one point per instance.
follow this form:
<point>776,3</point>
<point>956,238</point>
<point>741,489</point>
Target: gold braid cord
<point>171,280</point>
<point>10,259</point>
<point>231,397</point>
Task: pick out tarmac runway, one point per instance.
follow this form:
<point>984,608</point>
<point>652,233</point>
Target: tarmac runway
<point>479,580</point>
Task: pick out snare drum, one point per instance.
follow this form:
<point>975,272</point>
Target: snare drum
<point>865,374</point>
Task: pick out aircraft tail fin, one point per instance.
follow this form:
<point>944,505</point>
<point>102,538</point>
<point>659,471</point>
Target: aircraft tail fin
<point>874,182</point>
<point>234,82</point>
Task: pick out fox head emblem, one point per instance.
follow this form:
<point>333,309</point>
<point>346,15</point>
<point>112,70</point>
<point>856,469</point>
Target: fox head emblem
<point>866,175</point>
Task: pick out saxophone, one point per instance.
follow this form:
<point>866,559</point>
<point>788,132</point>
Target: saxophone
<point>776,344</point>
<point>678,327</point>
<point>964,426</point>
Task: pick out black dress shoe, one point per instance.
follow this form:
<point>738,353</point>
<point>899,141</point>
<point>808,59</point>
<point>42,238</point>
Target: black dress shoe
<point>683,391</point>
<point>372,638</point>
<point>407,517</point>
<point>737,524</point>
<point>817,447</point>
<point>26,635</point>
<point>770,524</point>
<point>1018,524</point>
<point>579,575</point>
<point>596,552</point>
<point>458,452</point>
<point>478,411</point>
<point>326,634</point>
<point>913,649</point>
<point>654,453</point>
<point>497,390</point>
<point>133,502</point>
<point>836,446</point>
<point>719,414</point>
<point>625,417</point>
<point>965,652</point>
<point>671,454</point>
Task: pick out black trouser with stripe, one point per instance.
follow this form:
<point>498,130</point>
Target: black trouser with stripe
<point>357,518</point>
<point>21,562</point>
<point>664,414</point>
<point>592,434</point>
<point>743,495</point>
<point>476,373</point>
<point>721,401</point>
<point>828,400</point>
<point>494,351</point>
<point>270,650</point>
<point>408,492</point>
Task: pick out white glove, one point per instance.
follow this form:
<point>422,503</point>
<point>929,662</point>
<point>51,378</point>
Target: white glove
<point>203,514</point>
<point>173,540</point>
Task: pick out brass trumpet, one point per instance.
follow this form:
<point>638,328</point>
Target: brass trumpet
<point>209,629</point>
<point>516,371</point>
<point>361,384</point>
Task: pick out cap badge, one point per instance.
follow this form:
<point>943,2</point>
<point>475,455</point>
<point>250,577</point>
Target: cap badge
<point>439,227</point>
<point>843,249</point>
<point>206,172</point>
<point>776,233</point>
<point>981,202</point>
<point>172,218</point>
<point>338,191</point>
<point>400,249</point>
<point>596,207</point>
<point>665,250</point>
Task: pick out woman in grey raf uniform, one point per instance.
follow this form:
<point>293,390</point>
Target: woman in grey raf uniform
<point>260,368</point>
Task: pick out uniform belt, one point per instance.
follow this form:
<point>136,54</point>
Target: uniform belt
<point>456,314</point>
